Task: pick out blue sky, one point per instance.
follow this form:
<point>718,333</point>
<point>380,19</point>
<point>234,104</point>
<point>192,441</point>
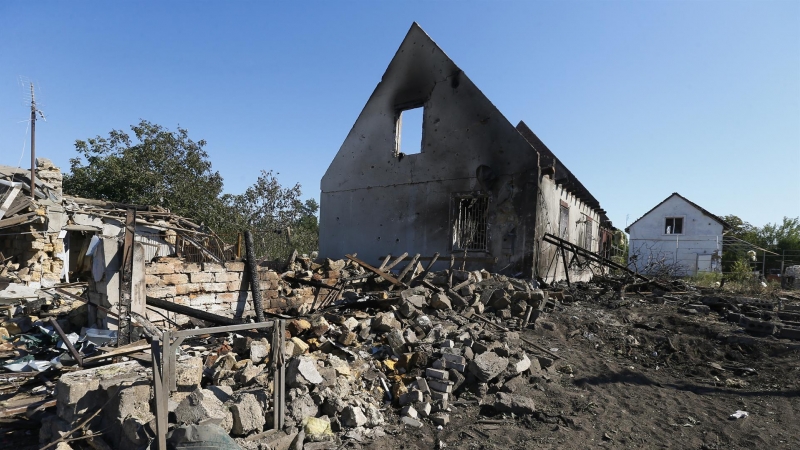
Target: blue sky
<point>638,98</point>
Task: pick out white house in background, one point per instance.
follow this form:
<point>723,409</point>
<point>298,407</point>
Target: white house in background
<point>677,233</point>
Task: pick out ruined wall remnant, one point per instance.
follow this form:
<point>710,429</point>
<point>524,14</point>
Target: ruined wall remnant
<point>221,289</point>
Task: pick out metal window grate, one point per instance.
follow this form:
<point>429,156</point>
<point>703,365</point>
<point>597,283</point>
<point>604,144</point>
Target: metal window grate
<point>470,227</point>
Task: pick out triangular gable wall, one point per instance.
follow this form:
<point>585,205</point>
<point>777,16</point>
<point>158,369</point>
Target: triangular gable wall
<point>462,128</point>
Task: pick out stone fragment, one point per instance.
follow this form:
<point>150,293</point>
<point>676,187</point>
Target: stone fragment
<point>409,411</point>
<point>223,393</point>
<point>440,419</point>
<point>410,397</point>
<point>298,326</point>
<point>456,378</point>
<point>300,346</point>
<point>385,321</point>
<point>422,385</point>
<point>348,338</point>
<point>516,404</point>
<point>351,323</point>
<point>247,374</point>
<point>374,416</point>
<point>423,409</point>
<point>301,406</point>
<point>259,351</point>
<point>317,429</point>
<point>247,414</point>
<point>81,391</point>
<point>417,300</point>
<point>440,386</point>
<point>407,309</point>
<point>411,422</point>
<point>396,341</point>
<point>523,364</point>
<point>320,326</point>
<point>436,374</point>
<point>353,416</point>
<point>302,370</point>
<point>189,373</point>
<point>487,365</point>
<point>202,405</point>
<point>441,301</point>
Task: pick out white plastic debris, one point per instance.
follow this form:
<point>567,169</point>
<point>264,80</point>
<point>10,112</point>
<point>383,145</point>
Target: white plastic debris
<point>739,414</point>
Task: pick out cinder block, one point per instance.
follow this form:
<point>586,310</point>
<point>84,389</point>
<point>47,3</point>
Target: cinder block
<point>224,277</point>
<point>159,268</point>
<point>161,291</point>
<point>212,267</point>
<point>202,300</point>
<point>233,266</point>
<point>228,297</point>
<point>174,279</point>
<point>191,268</point>
<point>201,277</point>
<point>214,287</point>
<point>188,288</point>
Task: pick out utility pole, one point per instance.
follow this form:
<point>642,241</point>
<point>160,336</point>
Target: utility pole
<point>33,144</point>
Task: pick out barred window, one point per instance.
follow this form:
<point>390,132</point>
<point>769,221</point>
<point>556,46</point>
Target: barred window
<point>470,226</point>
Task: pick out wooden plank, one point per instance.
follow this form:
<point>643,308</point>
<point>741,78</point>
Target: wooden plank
<point>119,351</point>
<point>17,220</point>
<point>9,200</point>
<point>374,270</point>
<point>13,411</point>
<point>395,262</point>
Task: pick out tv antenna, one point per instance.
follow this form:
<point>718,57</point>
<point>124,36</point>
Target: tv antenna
<point>34,112</point>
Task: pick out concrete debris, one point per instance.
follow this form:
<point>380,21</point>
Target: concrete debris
<point>247,415</point>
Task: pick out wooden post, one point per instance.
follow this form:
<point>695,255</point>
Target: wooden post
<point>252,269</point>
<point>126,281</point>
<point>160,396</point>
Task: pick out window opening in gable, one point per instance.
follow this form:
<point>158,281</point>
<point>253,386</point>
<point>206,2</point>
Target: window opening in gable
<point>563,222</point>
<point>673,225</point>
<point>408,134</point>
<point>470,225</point>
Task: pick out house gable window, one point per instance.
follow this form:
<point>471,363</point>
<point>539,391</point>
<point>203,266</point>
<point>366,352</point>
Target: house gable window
<point>673,225</point>
<point>409,129</point>
<point>470,224</point>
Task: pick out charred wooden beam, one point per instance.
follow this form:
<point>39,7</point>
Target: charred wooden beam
<point>191,312</point>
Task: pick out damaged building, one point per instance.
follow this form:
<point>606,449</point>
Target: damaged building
<point>51,240</point>
<point>476,186</point>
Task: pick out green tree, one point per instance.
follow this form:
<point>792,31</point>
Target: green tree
<point>281,222</point>
<point>155,167</point>
<point>167,168</point>
<point>776,238</point>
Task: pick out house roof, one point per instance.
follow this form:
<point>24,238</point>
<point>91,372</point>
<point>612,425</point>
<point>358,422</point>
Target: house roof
<point>563,175</point>
<point>700,208</point>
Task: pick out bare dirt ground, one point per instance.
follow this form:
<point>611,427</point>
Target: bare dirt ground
<point>642,376</point>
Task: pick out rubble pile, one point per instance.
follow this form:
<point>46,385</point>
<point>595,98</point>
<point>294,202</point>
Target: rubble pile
<point>368,358</point>
<point>375,361</point>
